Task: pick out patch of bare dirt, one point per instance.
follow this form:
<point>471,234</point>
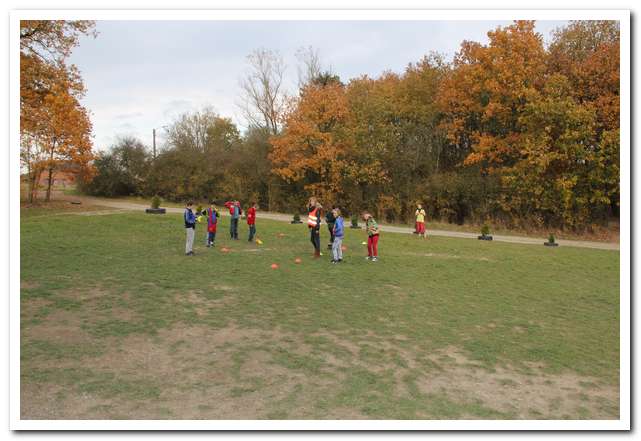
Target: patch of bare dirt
<point>87,295</point>
<point>203,304</point>
<point>539,395</point>
<point>232,373</point>
<point>60,326</point>
<point>26,284</point>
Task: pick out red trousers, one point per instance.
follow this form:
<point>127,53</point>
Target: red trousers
<point>420,227</point>
<point>372,246</point>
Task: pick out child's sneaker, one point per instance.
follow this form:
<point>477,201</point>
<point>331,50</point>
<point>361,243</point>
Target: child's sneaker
<point>368,258</point>
<point>374,259</point>
<point>334,261</point>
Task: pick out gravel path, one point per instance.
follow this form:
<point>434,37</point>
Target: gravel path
<point>393,229</point>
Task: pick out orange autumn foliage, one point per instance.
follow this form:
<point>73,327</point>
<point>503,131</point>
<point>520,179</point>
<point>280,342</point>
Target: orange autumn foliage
<point>55,129</point>
<point>312,146</point>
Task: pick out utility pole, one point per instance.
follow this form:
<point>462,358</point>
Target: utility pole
<point>154,139</point>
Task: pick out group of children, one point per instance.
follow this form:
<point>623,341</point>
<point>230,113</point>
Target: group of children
<point>333,218</point>
<point>336,226</point>
<point>211,214</point>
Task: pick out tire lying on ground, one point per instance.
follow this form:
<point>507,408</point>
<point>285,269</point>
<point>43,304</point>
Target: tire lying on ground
<point>155,210</point>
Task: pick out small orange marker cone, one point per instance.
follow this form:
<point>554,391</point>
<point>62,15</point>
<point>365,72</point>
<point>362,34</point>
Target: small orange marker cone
<point>297,260</point>
<point>343,247</point>
<point>274,266</point>
<point>224,249</point>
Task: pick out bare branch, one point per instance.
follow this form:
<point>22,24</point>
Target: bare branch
<point>262,98</point>
<point>310,66</point>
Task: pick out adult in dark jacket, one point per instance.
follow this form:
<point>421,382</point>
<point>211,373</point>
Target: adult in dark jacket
<point>313,223</point>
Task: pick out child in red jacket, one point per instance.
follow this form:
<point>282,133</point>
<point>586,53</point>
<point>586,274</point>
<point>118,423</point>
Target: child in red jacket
<point>251,220</point>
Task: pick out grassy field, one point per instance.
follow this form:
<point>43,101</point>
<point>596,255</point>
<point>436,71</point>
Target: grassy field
<point>116,322</point>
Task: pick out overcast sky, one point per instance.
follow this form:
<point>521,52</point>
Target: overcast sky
<point>143,74</point>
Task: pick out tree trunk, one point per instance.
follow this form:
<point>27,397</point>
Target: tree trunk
<point>48,197</point>
<point>30,173</point>
<point>34,180</point>
<point>32,186</point>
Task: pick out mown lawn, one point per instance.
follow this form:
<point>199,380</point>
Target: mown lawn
<point>118,323</point>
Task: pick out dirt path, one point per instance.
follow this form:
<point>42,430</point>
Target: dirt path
<point>392,229</point>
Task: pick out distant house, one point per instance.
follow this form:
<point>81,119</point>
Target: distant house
<point>63,178</point>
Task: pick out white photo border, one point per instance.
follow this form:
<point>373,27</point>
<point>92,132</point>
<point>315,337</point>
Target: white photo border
<point>623,16</point>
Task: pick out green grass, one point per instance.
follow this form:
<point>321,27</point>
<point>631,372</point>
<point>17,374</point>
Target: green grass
<point>120,276</point>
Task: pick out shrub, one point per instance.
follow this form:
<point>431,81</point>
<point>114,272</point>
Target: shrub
<point>354,221</point>
<point>551,238</point>
<point>155,202</point>
<point>121,171</point>
<point>485,230</point>
<point>296,217</point>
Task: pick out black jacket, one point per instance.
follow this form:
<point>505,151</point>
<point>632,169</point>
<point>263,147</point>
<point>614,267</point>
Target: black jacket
<point>329,217</point>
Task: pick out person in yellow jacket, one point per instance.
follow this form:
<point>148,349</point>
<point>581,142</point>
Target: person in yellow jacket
<point>314,209</point>
<point>420,221</point>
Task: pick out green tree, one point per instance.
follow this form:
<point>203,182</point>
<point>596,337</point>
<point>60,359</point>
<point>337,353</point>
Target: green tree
<point>122,171</point>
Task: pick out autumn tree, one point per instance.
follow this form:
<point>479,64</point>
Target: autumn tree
<point>481,99</point>
<point>395,135</point>
<point>66,135</point>
<point>373,137</point>
<point>312,149</point>
<point>54,127</point>
<point>550,183</point>
<point>544,122</point>
<point>488,89</point>
<point>587,53</point>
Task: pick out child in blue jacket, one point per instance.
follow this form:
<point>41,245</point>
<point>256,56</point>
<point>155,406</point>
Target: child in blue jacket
<point>339,233</point>
<point>190,228</point>
<point>212,215</point>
